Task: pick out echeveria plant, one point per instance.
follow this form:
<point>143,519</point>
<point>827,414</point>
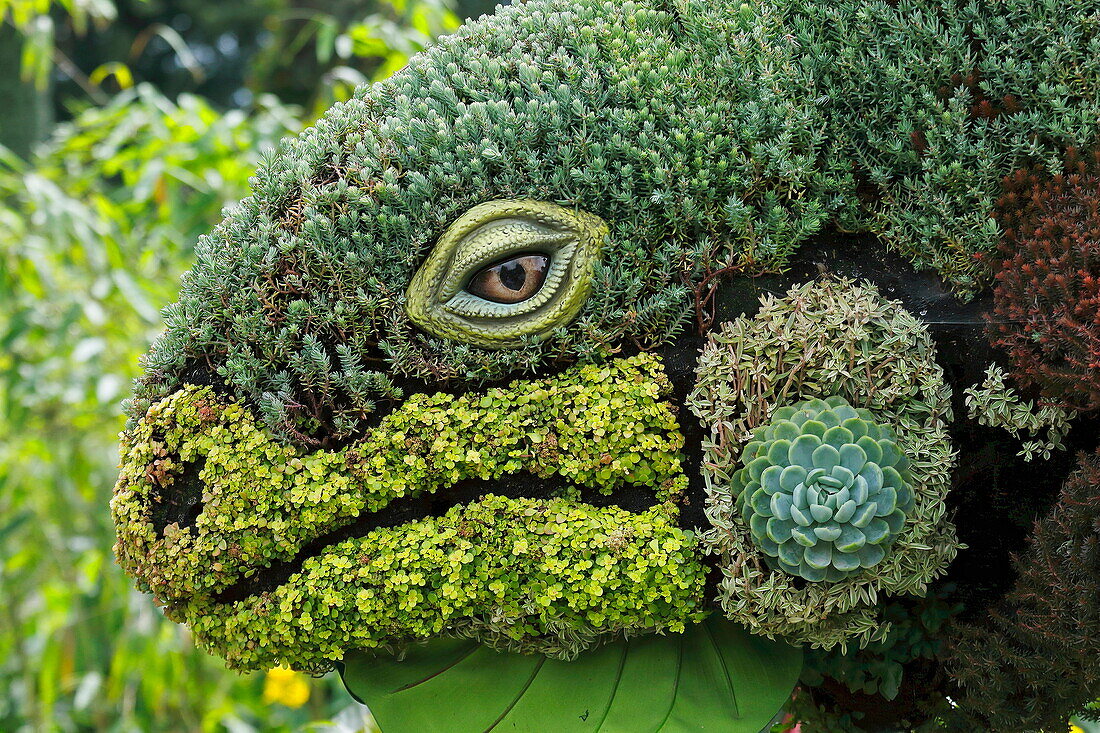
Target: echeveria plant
<point>824,489</point>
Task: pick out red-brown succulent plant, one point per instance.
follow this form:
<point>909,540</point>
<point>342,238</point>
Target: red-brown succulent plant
<point>1047,297</point>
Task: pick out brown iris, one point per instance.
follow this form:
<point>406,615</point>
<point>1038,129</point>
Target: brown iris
<point>512,280</point>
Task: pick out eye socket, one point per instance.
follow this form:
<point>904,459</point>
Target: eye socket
<point>506,273</point>
<point>509,281</point>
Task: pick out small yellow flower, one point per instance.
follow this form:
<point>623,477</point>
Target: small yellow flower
<point>1075,728</point>
<point>287,687</point>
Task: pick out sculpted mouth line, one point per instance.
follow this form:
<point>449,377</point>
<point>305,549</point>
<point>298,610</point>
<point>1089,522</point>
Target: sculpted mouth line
<point>262,501</point>
<point>498,515</point>
<point>630,498</point>
<point>512,572</point>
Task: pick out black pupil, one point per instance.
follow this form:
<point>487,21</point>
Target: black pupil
<point>513,275</point>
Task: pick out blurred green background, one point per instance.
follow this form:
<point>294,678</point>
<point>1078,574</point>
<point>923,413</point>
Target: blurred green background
<point>125,128</point>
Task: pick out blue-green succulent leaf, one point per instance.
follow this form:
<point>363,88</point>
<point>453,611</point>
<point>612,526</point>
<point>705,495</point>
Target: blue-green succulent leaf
<point>856,426</point>
<point>786,430</point>
<point>759,525</point>
<point>870,555</point>
<point>805,537</point>
<point>852,457</point>
<point>779,530</point>
<point>851,539</point>
<point>814,427</point>
<point>819,556</point>
<point>801,500</point>
<point>843,475</point>
<point>876,531</point>
<point>870,448</point>
<point>770,479</point>
<point>781,505</point>
<point>762,503</point>
<point>845,561</point>
<point>802,450</point>
<point>838,437</point>
<point>777,452</point>
<point>891,454</point>
<point>845,412</point>
<point>864,515</point>
<point>859,492</point>
<point>890,477</point>
<point>845,512</point>
<point>757,466</point>
<point>791,477</point>
<point>783,413</point>
<point>872,474</point>
<point>887,501</point>
<point>801,516</point>
<point>791,553</point>
<point>811,573</point>
<point>826,456</point>
<point>896,520</point>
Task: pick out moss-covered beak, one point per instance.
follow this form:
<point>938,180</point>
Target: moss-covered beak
<point>275,556</point>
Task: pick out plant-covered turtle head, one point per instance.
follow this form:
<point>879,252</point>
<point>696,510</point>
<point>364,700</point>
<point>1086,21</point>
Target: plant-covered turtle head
<point>394,400</point>
<point>429,379</point>
<point>824,489</point>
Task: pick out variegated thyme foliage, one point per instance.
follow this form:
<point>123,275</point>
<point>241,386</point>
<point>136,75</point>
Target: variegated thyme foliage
<point>823,339</point>
<point>1040,429</point>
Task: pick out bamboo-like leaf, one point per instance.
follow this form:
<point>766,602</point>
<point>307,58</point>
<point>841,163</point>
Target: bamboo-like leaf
<point>715,676</point>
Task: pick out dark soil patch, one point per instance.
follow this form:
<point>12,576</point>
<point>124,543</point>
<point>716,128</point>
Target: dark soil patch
<point>181,502</point>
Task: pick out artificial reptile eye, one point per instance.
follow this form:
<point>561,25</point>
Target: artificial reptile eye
<point>513,280</point>
<point>505,272</point>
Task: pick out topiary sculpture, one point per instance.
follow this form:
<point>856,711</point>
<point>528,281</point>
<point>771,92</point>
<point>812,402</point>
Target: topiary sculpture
<point>824,489</point>
<point>435,373</point>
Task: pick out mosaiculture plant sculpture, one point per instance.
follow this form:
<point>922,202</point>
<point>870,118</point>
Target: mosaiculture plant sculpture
<point>610,357</point>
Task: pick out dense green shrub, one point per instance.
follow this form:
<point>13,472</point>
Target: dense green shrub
<point>824,338</point>
<point>708,136</point>
<point>549,576</point>
<point>824,489</point>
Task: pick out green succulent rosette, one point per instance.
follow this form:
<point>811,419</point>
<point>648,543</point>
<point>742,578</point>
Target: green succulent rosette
<point>824,489</point>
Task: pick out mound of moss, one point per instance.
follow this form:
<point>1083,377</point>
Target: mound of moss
<point>548,576</point>
<point>261,501</point>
